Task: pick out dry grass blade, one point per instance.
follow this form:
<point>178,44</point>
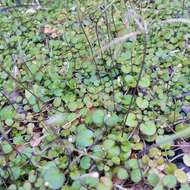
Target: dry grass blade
<point>129,17</point>
<point>179,20</point>
<point>120,40</point>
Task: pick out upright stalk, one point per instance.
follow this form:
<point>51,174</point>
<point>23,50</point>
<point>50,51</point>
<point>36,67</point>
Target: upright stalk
<point>137,84</point>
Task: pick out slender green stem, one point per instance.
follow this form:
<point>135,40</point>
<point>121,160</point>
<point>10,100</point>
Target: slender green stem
<point>111,56</point>
<point>22,85</point>
<point>90,45</point>
<point>137,83</point>
<point>18,82</point>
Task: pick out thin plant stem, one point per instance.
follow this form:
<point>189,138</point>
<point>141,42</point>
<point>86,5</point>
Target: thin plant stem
<point>8,100</point>
<point>99,44</point>
<point>18,82</point>
<point>113,20</point>
<point>111,56</point>
<point>176,157</point>
<point>90,45</point>
<point>26,88</point>
<point>137,83</point>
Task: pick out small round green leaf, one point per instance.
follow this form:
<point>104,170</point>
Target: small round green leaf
<point>98,117</point>
<point>181,176</point>
<point>53,178</point>
<point>185,187</point>
<point>159,187</point>
<point>84,138</point>
<point>131,120</point>
<point>136,175</point>
<point>85,162</point>
<point>7,148</point>
<point>122,173</point>
<point>145,82</point>
<point>169,181</point>
<point>148,128</point>
<point>153,179</point>
<point>111,120</point>
<point>142,103</point>
<point>57,102</point>
<point>9,121</point>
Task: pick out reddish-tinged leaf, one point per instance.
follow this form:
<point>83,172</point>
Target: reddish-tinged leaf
<point>35,140</point>
<point>50,31</point>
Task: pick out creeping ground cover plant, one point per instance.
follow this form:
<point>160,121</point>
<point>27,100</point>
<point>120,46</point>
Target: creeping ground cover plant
<point>94,95</point>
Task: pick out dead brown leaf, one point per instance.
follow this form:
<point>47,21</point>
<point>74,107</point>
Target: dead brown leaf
<point>20,148</point>
<point>36,139</point>
<point>50,31</point>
